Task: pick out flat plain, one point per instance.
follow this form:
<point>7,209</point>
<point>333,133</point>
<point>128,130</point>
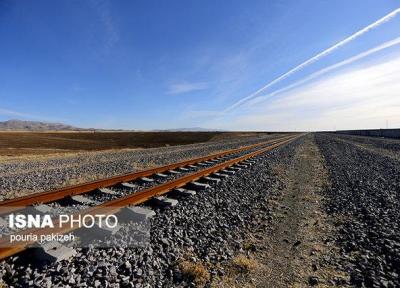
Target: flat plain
<point>42,143</point>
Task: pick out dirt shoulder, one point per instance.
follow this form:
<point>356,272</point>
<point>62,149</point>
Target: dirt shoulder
<point>300,234</point>
<point>293,250</point>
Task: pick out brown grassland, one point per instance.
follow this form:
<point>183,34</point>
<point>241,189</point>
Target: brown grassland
<point>42,143</point>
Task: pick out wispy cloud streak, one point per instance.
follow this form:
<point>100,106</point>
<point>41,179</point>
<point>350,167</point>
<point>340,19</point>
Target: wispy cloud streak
<point>323,71</point>
<point>186,87</point>
<point>317,57</point>
<point>362,97</point>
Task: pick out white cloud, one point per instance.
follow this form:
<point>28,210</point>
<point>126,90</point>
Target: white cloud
<point>185,87</point>
<point>364,97</point>
<point>326,70</point>
<point>317,57</point>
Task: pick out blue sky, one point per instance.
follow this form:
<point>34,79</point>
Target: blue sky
<point>171,64</point>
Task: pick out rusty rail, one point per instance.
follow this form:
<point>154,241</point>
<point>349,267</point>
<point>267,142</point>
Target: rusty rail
<point>11,205</point>
<point>114,206</point>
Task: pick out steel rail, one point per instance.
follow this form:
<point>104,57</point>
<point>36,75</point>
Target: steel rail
<point>114,206</point>
<point>15,204</point>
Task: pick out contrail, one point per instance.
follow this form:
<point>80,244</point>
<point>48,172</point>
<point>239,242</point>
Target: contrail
<point>314,75</point>
<point>318,56</point>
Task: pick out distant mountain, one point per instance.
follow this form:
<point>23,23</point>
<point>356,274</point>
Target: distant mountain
<point>19,125</point>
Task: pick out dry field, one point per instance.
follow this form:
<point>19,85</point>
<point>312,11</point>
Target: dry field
<point>43,143</point>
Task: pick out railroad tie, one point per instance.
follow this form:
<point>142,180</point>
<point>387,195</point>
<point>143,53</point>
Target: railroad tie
<point>164,201</point>
<point>198,186</point>
<point>241,165</point>
<point>98,231</point>
<point>183,192</point>
<point>146,180</point>
<point>173,172</point>
<point>53,252</point>
<point>234,168</point>
<point>128,185</point>
<point>211,179</point>
<point>229,172</point>
<point>107,191</point>
<point>43,209</point>
<point>136,214</point>
<point>160,175</point>
<point>83,200</point>
<point>102,229</point>
<point>220,175</point>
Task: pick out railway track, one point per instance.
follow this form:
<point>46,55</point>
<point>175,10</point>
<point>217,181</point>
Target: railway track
<point>15,204</point>
<point>203,166</point>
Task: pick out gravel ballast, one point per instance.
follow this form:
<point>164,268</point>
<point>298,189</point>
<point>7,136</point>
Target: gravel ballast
<point>382,143</point>
<point>365,198</point>
<point>206,228</point>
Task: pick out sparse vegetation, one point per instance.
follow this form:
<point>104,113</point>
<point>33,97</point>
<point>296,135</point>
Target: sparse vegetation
<point>244,263</point>
<point>194,271</point>
<point>239,273</point>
